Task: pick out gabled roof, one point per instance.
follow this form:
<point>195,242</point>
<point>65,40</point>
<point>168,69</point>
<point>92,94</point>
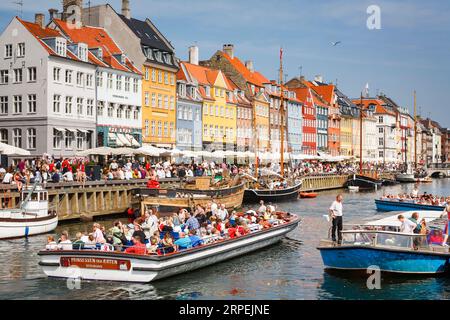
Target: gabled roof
<point>254,78</point>
<point>147,33</point>
<point>380,106</point>
<point>96,37</point>
<point>205,76</point>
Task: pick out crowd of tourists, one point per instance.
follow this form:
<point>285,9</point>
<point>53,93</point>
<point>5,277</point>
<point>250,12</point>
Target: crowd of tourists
<point>153,235</point>
<point>415,197</point>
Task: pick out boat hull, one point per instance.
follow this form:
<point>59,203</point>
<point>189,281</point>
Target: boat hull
<point>143,269</point>
<point>254,196</point>
<point>364,183</point>
<point>19,228</point>
<point>388,206</point>
<point>406,178</point>
<point>391,261</point>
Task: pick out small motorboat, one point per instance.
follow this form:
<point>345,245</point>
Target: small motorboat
<point>379,244</point>
<point>31,218</point>
<point>123,267</point>
<point>388,205</point>
<point>425,180</point>
<point>308,195</point>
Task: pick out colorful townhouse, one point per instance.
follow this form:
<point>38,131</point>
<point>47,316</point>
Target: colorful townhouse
<point>47,90</point>
<point>189,108</point>
<point>294,123</point>
<point>118,85</point>
<point>249,86</point>
<point>154,55</point>
<point>309,139</point>
<point>370,134</point>
<point>219,107</point>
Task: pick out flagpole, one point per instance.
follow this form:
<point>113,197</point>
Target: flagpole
<point>282,113</point>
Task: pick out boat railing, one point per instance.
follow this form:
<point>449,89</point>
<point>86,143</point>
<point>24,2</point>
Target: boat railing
<point>387,239</point>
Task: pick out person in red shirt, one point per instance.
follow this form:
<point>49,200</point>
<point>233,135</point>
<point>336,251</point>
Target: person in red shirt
<point>65,165</point>
<point>139,248</point>
<point>231,231</point>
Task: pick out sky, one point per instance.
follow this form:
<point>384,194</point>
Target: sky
<point>409,52</point>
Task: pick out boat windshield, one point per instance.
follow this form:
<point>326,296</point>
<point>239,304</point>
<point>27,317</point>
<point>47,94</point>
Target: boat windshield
<point>385,239</point>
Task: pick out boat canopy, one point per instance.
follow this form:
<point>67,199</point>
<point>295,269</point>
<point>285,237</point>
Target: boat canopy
<point>393,221</point>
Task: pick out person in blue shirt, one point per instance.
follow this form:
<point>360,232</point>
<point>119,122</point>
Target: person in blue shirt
<point>196,241</point>
<point>192,223</point>
<point>184,243</point>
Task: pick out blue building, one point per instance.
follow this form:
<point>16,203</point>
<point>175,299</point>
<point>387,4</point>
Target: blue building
<point>295,124</point>
<point>189,112</point>
<point>322,126</point>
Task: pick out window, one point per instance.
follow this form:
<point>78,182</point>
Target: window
<point>21,50</point>
<point>61,47</point>
<point>8,51</point>
<point>57,139</point>
<point>17,104</point>
<point>381,130</point>
<point>70,137</point>
<point>110,81</point>
<point>31,103</point>
<point>68,76</point>
<point>160,76</point>
<point>89,80</point>
<point>146,99</point>
<point>166,129</point>
<point>136,113</point>
<point>172,130</point>
<point>153,99</point>
<point>18,75</point>
<point>68,107</point>
<point>380,141</point>
<point>127,84</point>
<point>153,128</point>
<point>128,113</point>
<point>4,136</point>
<point>111,110</point>
<point>146,74</point>
<point>166,78</point>
<point>80,106</point>
<point>380,119</point>
<point>56,74</point>
<point>159,129</point>
<point>80,77</point>
<point>135,86</point>
<point>31,138</point>
<point>166,102</point>
<point>4,105</point>
<point>172,80</point>
<point>99,79</point>
<point>205,110</point>
<point>146,128</point>
<point>100,108</point>
<point>119,83</point>
<point>32,74</point>
<point>17,138</point>
<point>56,103</point>
<point>90,107</point>
<point>172,103</point>
<point>80,139</point>
<point>4,76</point>
<point>153,75</point>
<point>120,112</point>
<point>160,101</point>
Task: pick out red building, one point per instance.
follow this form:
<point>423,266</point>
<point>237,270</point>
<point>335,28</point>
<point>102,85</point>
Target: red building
<point>305,95</point>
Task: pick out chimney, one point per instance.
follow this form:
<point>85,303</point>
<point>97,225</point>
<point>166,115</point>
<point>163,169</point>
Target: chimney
<point>126,11</point>
<point>53,13</point>
<point>249,65</point>
<point>193,55</point>
<point>72,10</point>
<point>229,50</point>
<point>318,78</point>
<point>39,19</point>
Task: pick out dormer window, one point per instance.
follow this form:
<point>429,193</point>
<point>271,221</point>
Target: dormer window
<point>82,52</point>
<point>61,47</point>
<point>158,55</point>
<point>182,90</point>
<point>208,91</point>
<point>167,58</point>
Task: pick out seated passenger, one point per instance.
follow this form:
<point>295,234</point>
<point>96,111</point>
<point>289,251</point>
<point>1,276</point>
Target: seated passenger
<point>167,244</point>
<point>78,244</point>
<point>184,242</point>
<point>51,243</point>
<point>195,240</point>
<point>152,246</point>
<point>436,237</point>
<point>138,247</point>
<point>90,243</point>
<point>231,231</point>
<point>65,244</point>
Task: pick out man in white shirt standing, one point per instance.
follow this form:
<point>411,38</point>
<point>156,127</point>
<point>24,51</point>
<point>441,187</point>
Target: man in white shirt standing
<point>336,215</point>
<point>407,225</point>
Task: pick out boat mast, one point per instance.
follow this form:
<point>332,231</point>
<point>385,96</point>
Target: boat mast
<point>415,130</point>
<point>361,136</point>
<point>282,113</point>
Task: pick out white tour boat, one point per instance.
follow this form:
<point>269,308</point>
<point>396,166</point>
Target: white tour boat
<point>32,218</point>
<point>123,267</point>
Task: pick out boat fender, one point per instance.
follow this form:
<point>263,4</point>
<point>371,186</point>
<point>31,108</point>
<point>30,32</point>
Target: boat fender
<point>27,231</point>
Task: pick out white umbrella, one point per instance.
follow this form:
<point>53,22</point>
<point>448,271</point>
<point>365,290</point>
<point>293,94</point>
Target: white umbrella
<point>150,151</point>
<point>205,154</point>
<point>102,151</point>
<point>218,154</point>
<point>8,150</point>
<point>123,152</point>
<point>176,152</point>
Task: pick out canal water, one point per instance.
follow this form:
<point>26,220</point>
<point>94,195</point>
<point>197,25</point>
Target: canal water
<point>290,270</point>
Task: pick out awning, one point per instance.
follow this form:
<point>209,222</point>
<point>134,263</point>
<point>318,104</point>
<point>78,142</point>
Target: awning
<point>133,141</point>
<point>83,131</point>
<point>124,140</point>
<point>71,130</point>
<point>60,129</point>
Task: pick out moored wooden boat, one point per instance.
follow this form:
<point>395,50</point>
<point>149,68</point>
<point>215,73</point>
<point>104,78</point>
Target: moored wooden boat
<point>364,182</point>
<point>118,266</point>
<point>32,218</point>
<point>254,195</point>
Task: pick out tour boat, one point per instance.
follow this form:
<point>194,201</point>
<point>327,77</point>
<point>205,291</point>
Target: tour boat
<point>32,218</point>
<point>308,195</point>
<point>363,182</point>
<point>187,196</point>
<point>372,246</point>
<point>396,205</point>
<point>122,267</point>
<point>406,178</point>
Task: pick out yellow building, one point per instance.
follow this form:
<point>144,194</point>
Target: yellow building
<point>159,104</point>
<point>262,107</point>
<point>346,135</point>
<point>219,107</point>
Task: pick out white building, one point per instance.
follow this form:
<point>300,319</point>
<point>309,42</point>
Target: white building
<point>118,84</point>
<point>47,90</point>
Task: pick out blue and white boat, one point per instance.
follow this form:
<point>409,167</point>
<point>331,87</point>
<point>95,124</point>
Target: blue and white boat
<point>378,245</point>
<point>396,205</point>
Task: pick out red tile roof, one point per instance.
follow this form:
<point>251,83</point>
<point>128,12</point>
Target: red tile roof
<point>380,106</point>
<point>254,78</point>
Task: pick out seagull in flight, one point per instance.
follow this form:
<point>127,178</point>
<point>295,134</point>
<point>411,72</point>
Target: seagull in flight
<point>334,44</point>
